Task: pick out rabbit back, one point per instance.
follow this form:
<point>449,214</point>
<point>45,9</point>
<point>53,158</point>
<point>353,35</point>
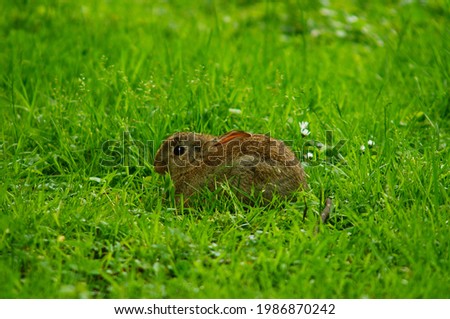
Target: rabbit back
<point>256,163</point>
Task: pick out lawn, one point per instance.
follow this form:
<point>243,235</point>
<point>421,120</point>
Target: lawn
<point>89,89</point>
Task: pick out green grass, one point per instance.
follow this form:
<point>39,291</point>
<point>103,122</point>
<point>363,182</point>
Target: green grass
<point>77,74</point>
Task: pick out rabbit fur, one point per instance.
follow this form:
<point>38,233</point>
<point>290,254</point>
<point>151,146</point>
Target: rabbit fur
<point>248,162</point>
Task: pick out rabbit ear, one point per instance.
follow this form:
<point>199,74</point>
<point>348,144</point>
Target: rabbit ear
<point>231,136</point>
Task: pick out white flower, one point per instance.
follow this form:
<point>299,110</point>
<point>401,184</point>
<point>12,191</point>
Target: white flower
<point>303,125</point>
<point>309,155</point>
<point>226,19</point>
<point>304,128</point>
<point>305,132</point>
<point>362,148</point>
<point>315,33</point>
<point>341,33</point>
<point>327,12</point>
<point>351,19</point>
<point>370,143</point>
<point>235,111</point>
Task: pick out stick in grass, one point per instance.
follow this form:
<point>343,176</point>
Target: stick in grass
<point>326,211</point>
<point>305,210</point>
<point>324,215</point>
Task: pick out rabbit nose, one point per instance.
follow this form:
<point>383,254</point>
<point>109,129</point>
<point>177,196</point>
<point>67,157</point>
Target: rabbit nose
<point>160,168</point>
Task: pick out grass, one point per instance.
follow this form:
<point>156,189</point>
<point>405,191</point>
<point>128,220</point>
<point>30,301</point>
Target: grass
<point>83,82</point>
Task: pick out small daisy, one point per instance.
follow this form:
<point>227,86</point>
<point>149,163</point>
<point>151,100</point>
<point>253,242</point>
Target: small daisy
<point>304,129</point>
<point>370,143</point>
<point>303,125</point>
<point>305,132</point>
<point>309,155</point>
<point>362,148</point>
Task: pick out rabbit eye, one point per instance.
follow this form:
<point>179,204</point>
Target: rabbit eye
<point>179,150</point>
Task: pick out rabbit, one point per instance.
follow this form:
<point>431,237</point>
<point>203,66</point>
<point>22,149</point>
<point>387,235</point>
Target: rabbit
<point>250,163</point>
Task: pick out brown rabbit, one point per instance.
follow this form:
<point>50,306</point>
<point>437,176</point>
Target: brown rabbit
<point>248,162</point>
